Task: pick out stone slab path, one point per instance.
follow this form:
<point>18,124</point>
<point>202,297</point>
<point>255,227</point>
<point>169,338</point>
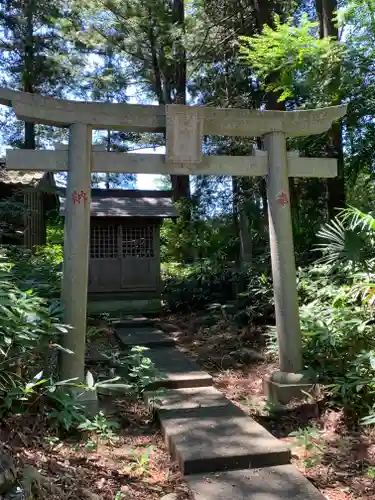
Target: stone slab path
<point>224,454</point>
<point>147,336</point>
<point>283,482</point>
<point>177,370</point>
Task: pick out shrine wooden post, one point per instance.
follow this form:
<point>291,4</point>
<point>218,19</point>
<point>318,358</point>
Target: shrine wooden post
<point>185,128</point>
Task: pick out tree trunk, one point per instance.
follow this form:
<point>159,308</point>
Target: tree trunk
<point>108,147</point>
<point>28,74</point>
<point>241,223</point>
<point>246,246</point>
<point>158,87</point>
<point>180,183</point>
<point>336,186</point>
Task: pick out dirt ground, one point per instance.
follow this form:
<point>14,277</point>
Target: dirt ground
<point>339,459</point>
<point>67,470</point>
<point>136,465</point>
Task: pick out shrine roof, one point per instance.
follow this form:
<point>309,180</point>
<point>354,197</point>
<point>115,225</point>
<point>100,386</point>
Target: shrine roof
<point>25,178</point>
<point>128,203</point>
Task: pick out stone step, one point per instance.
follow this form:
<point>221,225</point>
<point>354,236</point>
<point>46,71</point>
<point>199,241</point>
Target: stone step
<point>177,371</point>
<point>165,400</point>
<point>282,482</point>
<point>146,336</point>
<point>217,438</point>
<point>131,322</point>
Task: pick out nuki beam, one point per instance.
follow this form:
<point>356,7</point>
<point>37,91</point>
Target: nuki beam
<point>185,128</point>
<point>130,163</point>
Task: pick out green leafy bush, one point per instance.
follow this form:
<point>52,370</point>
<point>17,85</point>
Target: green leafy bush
<point>29,327</point>
<point>194,286</point>
<point>337,321</point>
<point>40,271</point>
<point>135,368</point>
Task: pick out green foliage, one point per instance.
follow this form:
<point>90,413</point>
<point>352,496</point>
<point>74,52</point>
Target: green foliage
<point>103,428</point>
<point>311,441</point>
<point>35,58</point>
<point>30,331</point>
<point>247,292</point>
<point>142,371</point>
<point>119,495</point>
<point>66,411</point>
<point>136,368</point>
<point>55,233</point>
<point>336,315</point>
<point>196,237</point>
<point>287,57</point>
<point>140,461</point>
<point>197,285</point>
<point>40,271</point>
<point>371,472</point>
<point>28,328</point>
<point>113,384</point>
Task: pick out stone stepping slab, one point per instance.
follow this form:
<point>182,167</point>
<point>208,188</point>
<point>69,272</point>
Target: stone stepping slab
<point>178,399</point>
<point>283,482</point>
<point>132,322</point>
<point>177,370</point>
<point>217,438</point>
<point>146,336</point>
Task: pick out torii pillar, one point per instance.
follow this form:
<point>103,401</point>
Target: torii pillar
<point>184,144</point>
<point>76,244</point>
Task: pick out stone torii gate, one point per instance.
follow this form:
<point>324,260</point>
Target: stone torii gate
<point>185,129</point>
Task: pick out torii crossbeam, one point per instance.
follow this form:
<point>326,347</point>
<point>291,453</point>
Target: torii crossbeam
<point>185,129</point>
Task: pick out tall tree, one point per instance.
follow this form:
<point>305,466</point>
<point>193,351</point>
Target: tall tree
<point>326,10</point>
<point>149,36</point>
<point>180,183</point>
<point>108,81</point>
<point>35,58</point>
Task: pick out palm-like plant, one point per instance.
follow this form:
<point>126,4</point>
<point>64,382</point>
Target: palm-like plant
<point>349,238</point>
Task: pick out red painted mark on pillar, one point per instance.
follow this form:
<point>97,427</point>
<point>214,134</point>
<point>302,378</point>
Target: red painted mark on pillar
<point>282,199</point>
<point>78,197</point>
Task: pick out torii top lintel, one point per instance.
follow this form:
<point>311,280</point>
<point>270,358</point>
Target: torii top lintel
<point>148,118</point>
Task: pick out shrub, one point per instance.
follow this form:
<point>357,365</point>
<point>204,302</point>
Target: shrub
<point>40,271</point>
<point>193,286</point>
<point>196,286</point>
<point>337,336</point>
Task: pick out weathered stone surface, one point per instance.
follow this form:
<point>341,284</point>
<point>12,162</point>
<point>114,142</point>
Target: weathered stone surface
<point>184,133</point>
<point>178,399</point>
<point>146,118</point>
<point>289,378</point>
<point>138,321</point>
<point>76,255</point>
<point>282,255</point>
<point>219,438</point>
<point>284,393</point>
<point>177,370</point>
<point>123,306</point>
<point>283,482</point>
<point>146,336</point>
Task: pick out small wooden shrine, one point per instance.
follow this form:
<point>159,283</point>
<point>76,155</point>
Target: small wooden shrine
<point>125,240</point>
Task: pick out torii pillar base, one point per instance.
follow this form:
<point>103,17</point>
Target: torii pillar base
<point>282,388</point>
